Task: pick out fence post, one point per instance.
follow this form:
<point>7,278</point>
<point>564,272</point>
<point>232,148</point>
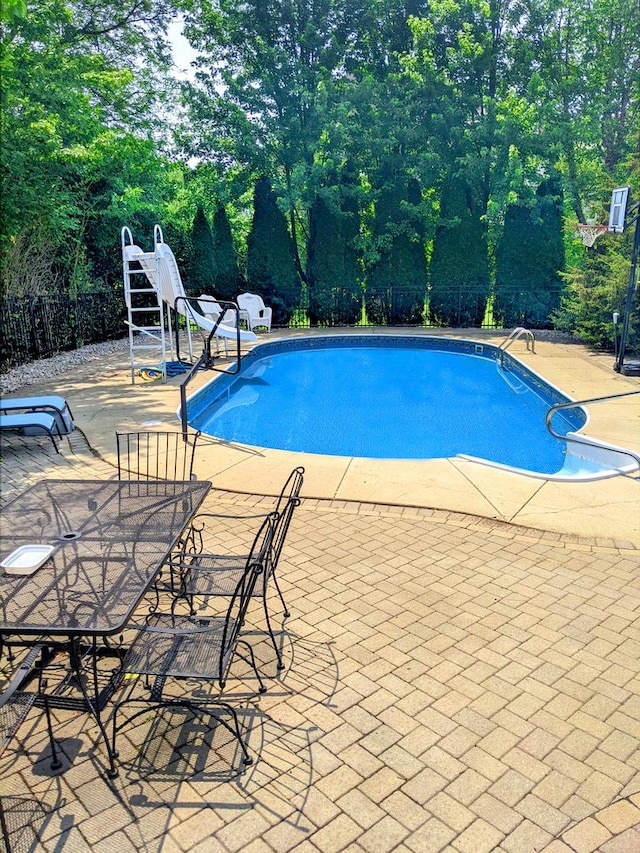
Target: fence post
<point>32,322</point>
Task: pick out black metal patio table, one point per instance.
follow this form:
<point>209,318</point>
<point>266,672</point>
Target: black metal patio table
<point>107,540</point>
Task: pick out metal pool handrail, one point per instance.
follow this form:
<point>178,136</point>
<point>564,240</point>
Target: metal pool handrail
<point>518,332</point>
<point>207,359</point>
<point>582,439</point>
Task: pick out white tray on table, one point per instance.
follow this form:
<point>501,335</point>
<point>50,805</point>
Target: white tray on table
<point>27,559</point>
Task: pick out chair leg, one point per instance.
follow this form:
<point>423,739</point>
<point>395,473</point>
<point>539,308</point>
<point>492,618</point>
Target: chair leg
<point>286,613</point>
<point>4,829</point>
<point>274,642</point>
<point>196,707</point>
<point>252,663</point>
<point>247,760</point>
<point>56,764</point>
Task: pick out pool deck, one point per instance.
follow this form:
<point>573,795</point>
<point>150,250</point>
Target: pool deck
<point>462,660</point>
<point>103,400</point>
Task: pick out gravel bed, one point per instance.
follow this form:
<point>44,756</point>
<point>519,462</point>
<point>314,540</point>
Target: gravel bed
<point>49,368</point>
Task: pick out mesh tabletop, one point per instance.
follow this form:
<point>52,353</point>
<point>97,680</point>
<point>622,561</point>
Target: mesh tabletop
<point>109,539</point>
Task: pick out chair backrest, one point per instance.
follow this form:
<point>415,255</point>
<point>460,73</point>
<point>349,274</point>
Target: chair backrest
<point>251,302</point>
<point>209,306</point>
<point>287,502</point>
<point>155,455</point>
<point>212,309</point>
<point>255,565</point>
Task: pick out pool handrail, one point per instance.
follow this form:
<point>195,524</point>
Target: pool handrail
<point>516,333</point>
<point>206,359</point>
<point>585,440</point>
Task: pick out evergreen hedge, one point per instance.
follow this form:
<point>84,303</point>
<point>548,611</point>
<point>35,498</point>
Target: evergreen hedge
<point>228,281</point>
<point>271,270</point>
<point>396,283</point>
<point>202,263</point>
<point>459,269</point>
<point>529,261</point>
<point>332,262</point>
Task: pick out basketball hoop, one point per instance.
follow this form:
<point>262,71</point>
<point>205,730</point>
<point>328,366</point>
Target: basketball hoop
<point>589,233</point>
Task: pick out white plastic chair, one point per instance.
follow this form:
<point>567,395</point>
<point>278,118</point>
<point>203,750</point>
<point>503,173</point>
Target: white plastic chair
<point>212,310</point>
<point>254,311</point>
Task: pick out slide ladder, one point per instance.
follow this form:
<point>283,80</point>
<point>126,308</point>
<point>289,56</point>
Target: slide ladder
<point>156,300</point>
<point>145,308</point>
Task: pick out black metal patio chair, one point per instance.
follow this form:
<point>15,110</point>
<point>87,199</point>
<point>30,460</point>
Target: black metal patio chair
<point>215,549</point>
<point>15,704</point>
<point>155,455</point>
<point>171,646</point>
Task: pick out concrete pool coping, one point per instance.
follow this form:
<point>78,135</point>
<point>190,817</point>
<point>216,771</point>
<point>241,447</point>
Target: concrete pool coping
<point>104,400</point>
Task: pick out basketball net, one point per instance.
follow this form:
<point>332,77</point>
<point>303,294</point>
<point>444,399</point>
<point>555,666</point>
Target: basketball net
<point>589,233</point>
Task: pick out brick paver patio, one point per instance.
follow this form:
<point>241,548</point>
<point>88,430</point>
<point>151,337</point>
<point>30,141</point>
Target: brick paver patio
<point>452,684</point>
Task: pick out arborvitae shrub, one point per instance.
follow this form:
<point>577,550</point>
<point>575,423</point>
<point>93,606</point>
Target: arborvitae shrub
<point>332,262</point>
<point>202,266</point>
<point>396,283</point>
<point>271,268</point>
<point>459,269</point>
<point>228,281</point>
<point>530,260</point>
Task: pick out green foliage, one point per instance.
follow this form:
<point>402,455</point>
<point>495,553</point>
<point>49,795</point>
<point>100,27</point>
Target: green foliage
<point>530,260</point>
<point>459,269</point>
<point>332,264</point>
<point>396,282</point>
<point>228,281</point>
<point>398,93</point>
<point>71,106</point>
<point>595,289</point>
<point>202,267</point>
<point>270,261</point>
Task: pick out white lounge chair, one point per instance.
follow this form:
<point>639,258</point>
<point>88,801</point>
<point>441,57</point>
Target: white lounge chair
<point>254,311</point>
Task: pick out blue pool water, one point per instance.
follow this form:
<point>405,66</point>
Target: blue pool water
<point>383,397</point>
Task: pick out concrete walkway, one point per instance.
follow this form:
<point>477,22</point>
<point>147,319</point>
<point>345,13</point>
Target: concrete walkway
<point>454,681</point>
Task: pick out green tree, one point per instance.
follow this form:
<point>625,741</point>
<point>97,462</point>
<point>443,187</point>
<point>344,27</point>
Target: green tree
<point>594,291</point>
<point>585,57</point>
<point>459,268</point>
<point>271,270</point>
<point>75,104</point>
<point>202,263</point>
<point>264,66</point>
<point>396,283</point>
<point>530,260</point>
<point>332,262</point>
<point>228,281</point>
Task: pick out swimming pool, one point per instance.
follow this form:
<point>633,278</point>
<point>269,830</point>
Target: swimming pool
<point>402,397</point>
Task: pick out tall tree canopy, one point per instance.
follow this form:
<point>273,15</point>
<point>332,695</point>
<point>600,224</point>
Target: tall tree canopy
<point>77,119</point>
<point>501,95</point>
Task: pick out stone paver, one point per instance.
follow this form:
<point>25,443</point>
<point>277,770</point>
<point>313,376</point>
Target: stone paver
<point>451,683</point>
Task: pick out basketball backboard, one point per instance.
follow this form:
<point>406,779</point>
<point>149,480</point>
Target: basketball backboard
<point>618,209</point>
